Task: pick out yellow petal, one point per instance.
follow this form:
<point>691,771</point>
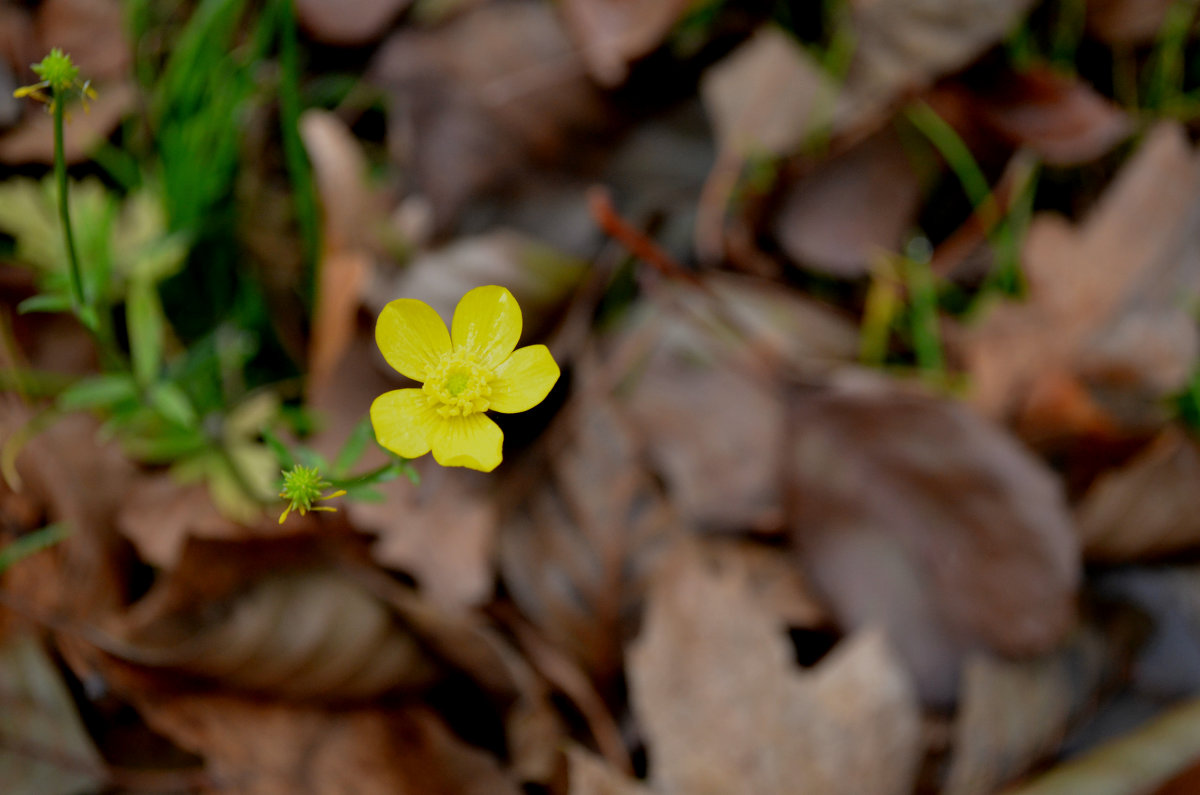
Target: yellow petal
<point>487,322</point>
<point>404,422</point>
<point>473,441</point>
<point>523,380</point>
<point>411,337</point>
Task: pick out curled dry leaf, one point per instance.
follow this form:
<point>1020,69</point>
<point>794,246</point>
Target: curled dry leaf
<point>255,747</point>
<point>850,207</point>
<point>584,531</point>
<point>37,711</point>
<point>1107,300</point>
<point>1012,714</point>
<point>340,171</point>
<point>1148,508</point>
<point>306,634</point>
<point>1061,118</point>
<point>613,33</point>
<point>348,23</point>
<point>1127,22</point>
<point>725,708</point>
<point>915,514</point>
<point>482,98</point>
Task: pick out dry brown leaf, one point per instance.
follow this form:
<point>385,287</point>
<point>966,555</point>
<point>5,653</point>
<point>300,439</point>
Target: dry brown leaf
<point>159,515</point>
<point>1134,763</point>
<point>584,533</point>
<point>591,776</point>
<point>906,44</point>
<point>348,22</point>
<point>273,616</point>
<point>851,207</point>
<point>768,96</point>
<point>1062,118</point>
<point>1148,508</point>
<point>482,98</point>
<point>270,748</point>
<point>339,168</point>
<point>725,708</point>
<point>915,514</point>
<point>711,421</point>
<point>1107,300</point>
<point>33,140</point>
<point>614,33</point>
<point>38,712</point>
<point>1014,714</point>
<point>1127,22</point>
<point>442,532</point>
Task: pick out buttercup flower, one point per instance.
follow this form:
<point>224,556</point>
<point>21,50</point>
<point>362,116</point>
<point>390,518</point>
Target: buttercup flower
<point>471,369</point>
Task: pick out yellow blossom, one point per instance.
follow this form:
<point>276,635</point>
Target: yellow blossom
<point>470,369</point>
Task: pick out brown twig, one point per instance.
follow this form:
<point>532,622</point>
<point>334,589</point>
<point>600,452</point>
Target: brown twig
<point>605,215</point>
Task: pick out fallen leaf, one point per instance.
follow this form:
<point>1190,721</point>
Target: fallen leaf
<point>339,168</point>
<point>1147,508</point>
<point>1127,22</point>
<point>725,709</point>
<point>1061,118</point>
<point>584,528</point>
<point>902,45</point>
<point>38,713</point>
<point>850,208</point>
<point>348,24</point>
<point>1106,299</point>
<point>709,413</point>
<point>1016,713</point>
<point>1136,762</point>
<point>614,33</point>
<point>591,776</point>
<point>481,99</point>
<point>294,631</point>
<point>270,748</point>
<point>914,513</point>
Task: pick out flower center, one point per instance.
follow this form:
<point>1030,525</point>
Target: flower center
<point>458,386</point>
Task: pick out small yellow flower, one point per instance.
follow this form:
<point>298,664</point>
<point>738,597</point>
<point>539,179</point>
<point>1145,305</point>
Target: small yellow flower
<point>467,371</point>
<point>61,77</point>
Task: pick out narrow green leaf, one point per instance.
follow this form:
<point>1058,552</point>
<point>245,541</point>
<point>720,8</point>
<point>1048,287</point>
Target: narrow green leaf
<point>45,302</point>
<point>32,542</point>
<point>144,319</point>
<point>173,404</point>
<point>352,450</point>
<point>101,391</point>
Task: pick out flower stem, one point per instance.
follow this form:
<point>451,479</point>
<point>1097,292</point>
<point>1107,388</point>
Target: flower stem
<point>64,213</point>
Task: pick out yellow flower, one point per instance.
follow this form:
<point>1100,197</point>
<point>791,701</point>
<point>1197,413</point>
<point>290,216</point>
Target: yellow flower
<point>467,371</point>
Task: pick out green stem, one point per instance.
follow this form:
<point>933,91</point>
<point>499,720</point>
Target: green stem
<point>64,213</point>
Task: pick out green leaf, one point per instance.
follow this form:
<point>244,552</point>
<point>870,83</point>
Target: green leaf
<point>352,450</point>
<point>45,302</point>
<point>173,404</point>
<point>144,319</point>
<point>101,391</point>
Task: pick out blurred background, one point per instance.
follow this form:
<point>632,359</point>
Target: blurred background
<point>873,466</point>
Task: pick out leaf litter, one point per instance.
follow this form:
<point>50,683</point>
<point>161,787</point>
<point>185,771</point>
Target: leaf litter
<point>725,556</point>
